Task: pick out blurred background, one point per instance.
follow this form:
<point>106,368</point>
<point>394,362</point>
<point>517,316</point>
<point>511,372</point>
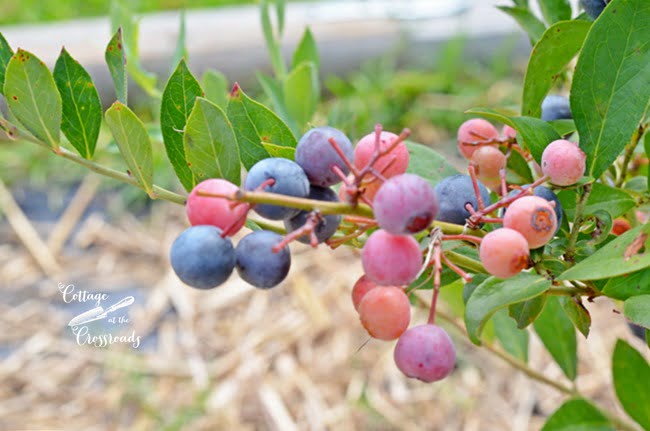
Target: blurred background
<point>235,358</point>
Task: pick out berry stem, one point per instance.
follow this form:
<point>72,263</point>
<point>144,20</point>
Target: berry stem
<point>468,263</point>
<point>456,269</point>
<point>629,152</point>
<point>578,219</point>
<point>306,229</point>
<point>462,237</point>
<point>437,269</point>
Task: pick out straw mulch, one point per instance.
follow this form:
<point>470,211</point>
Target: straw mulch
<point>234,358</point>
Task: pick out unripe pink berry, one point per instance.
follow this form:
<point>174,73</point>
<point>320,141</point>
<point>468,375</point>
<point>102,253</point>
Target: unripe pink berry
<point>508,132</point>
<point>488,162</point>
<point>564,162</point>
<point>534,218</point>
<point>385,312</point>
<point>504,252</point>
<point>474,130</point>
<point>389,165</point>
<point>219,212</point>
<point>391,259</point>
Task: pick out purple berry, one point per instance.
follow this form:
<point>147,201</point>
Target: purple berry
<point>405,204</point>
<point>426,353</point>
<point>556,107</point>
<point>316,155</point>
<point>453,193</point>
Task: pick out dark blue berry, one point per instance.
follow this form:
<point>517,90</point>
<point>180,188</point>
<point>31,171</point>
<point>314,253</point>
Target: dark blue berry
<point>201,258</point>
<point>638,331</point>
<point>329,223</point>
<point>453,193</point>
<point>556,107</point>
<point>290,180</point>
<point>316,155</point>
<point>256,262</point>
<point>594,7</point>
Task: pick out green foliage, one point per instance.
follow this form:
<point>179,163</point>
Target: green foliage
<point>428,163</point>
<point>557,46</point>
<point>5,55</point>
<point>610,94</point>
<point>558,335</point>
<point>178,98</point>
<point>116,61</point>
<point>82,109</point>
<point>33,98</point>
<point>513,339</point>
<point>637,309</point>
<point>215,86</point>
<point>628,285</point>
<point>494,294</point>
<point>210,143</point>
<point>577,415</point>
<point>631,376</point>
<point>525,312</point>
<point>133,140</point>
<point>602,198</point>
<point>615,258</point>
<point>527,20</point>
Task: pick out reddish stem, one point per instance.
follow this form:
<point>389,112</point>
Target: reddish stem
<point>456,269</point>
<point>477,191</point>
<point>306,229</point>
<point>437,269</point>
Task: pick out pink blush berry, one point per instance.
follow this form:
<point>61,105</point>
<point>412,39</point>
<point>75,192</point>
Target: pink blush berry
<point>474,130</point>
<point>534,218</point>
<point>391,259</point>
<point>425,352</point>
<point>385,312</point>
<point>389,165</point>
<point>215,211</point>
<point>508,132</point>
<point>564,162</point>
<point>504,252</point>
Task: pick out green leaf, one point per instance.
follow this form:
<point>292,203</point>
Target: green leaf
<point>611,85</point>
<point>272,43</point>
<point>537,134</point>
<point>577,415</point>
<point>116,61</point>
<point>33,98</point>
<point>529,22</point>
<point>610,260</point>
<point>494,294</point>
<point>279,151</point>
<point>558,335</point>
<point>133,141</point>
<point>646,147</point>
<point>181,49</point>
<point>82,109</point>
<point>628,285</point>
<point>525,312</point>
<point>615,201</point>
<point>631,374</point>
<point>637,309</point>
<point>555,10</point>
<point>577,313</point>
<point>181,91</point>
<point>273,90</point>
<point>215,85</point>
<point>5,55</point>
<point>513,340</point>
<point>210,143</point>
<point>301,93</point>
<point>518,166</point>
<point>428,163</point>
<point>122,17</point>
<point>559,44</point>
<point>563,127</point>
<point>254,124</point>
<point>307,51</point>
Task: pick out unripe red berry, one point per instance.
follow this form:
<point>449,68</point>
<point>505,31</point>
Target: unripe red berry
<point>488,162</point>
<point>425,352</point>
<point>389,165</point>
<point>219,212</point>
<point>385,312</point>
<point>391,259</point>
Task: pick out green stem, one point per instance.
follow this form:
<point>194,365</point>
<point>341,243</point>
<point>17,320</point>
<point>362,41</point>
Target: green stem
<point>466,262</point>
<point>565,291</point>
<point>578,219</point>
<point>629,152</point>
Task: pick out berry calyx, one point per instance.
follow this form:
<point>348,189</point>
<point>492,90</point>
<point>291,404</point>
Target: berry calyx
<point>534,218</point>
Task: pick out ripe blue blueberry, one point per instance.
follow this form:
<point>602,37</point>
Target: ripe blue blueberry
<point>290,180</point>
<point>594,7</point>
<point>316,155</point>
<point>256,262</point>
<point>637,330</point>
<point>201,258</point>
<point>327,226</point>
<point>453,193</point>
<point>545,193</point>
<point>556,107</point>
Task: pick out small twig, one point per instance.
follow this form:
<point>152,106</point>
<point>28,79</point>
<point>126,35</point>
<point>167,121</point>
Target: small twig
<point>578,219</point>
<point>629,152</point>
